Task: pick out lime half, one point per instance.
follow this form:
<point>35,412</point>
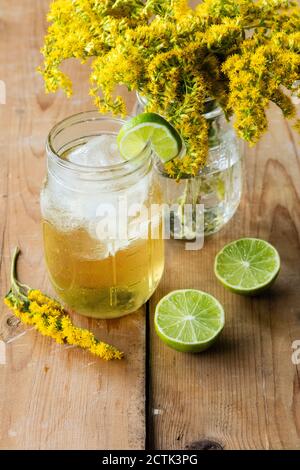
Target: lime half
<point>135,133</point>
<point>189,320</point>
<point>247,266</point>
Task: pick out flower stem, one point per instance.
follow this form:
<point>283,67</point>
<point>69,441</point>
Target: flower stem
<point>49,317</point>
<point>20,290</point>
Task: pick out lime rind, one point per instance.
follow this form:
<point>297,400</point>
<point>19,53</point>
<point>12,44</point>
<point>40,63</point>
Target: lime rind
<point>153,128</point>
<point>247,266</point>
<point>189,335</point>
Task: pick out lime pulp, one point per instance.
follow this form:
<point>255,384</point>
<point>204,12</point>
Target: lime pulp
<point>247,266</point>
<point>189,320</point>
<point>136,132</point>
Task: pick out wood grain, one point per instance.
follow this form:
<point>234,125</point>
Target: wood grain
<point>52,396</point>
<point>244,393</point>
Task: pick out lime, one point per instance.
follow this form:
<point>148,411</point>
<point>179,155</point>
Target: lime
<point>135,133</point>
<point>189,320</point>
<point>247,266</point>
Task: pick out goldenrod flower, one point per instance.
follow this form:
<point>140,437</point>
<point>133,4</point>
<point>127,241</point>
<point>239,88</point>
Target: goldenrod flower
<point>48,317</point>
<point>241,53</point>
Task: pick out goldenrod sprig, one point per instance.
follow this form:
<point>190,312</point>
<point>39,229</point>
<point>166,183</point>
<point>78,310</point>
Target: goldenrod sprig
<point>48,317</point>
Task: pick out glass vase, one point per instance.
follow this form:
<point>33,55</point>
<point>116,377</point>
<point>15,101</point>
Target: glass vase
<point>218,185</point>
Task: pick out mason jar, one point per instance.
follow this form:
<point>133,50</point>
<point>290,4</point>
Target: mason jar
<point>217,187</point>
<point>103,241</point>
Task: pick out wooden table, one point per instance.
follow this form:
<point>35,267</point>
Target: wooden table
<point>242,394</point>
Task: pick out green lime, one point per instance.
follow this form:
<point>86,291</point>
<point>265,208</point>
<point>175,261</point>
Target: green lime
<point>189,320</point>
<point>247,266</point>
<point>135,133</point>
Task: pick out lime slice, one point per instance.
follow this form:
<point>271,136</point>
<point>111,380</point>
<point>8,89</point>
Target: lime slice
<point>247,266</point>
<point>135,133</point>
<point>189,320</point>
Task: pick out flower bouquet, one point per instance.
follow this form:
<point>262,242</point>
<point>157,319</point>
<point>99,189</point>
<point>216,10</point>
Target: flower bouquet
<point>196,67</point>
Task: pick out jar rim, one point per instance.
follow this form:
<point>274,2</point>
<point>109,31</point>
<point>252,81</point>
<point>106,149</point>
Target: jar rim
<point>131,165</point>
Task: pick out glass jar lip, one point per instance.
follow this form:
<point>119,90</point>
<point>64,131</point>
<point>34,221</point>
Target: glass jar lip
<point>85,116</point>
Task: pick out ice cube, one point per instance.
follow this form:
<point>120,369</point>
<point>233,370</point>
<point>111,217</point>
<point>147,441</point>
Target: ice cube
<point>77,156</point>
<point>100,151</point>
<point>83,206</point>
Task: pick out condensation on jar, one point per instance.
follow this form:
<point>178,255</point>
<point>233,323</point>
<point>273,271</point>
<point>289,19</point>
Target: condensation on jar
<point>103,244</point>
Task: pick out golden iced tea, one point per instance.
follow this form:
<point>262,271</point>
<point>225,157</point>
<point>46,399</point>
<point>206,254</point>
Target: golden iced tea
<point>96,283</point>
<point>98,273</point>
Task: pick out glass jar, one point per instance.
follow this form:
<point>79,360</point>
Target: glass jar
<point>217,186</point>
<point>105,255</point>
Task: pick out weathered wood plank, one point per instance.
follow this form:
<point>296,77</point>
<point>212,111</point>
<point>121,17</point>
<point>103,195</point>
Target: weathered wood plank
<point>245,392</point>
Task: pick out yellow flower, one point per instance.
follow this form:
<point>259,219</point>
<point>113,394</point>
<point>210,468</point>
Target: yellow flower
<point>50,319</point>
<point>242,53</point>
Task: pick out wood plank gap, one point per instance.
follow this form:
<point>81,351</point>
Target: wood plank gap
<point>148,385</point>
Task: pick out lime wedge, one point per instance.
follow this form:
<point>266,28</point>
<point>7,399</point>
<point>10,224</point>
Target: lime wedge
<point>189,320</point>
<point>135,133</point>
<point>247,266</point>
